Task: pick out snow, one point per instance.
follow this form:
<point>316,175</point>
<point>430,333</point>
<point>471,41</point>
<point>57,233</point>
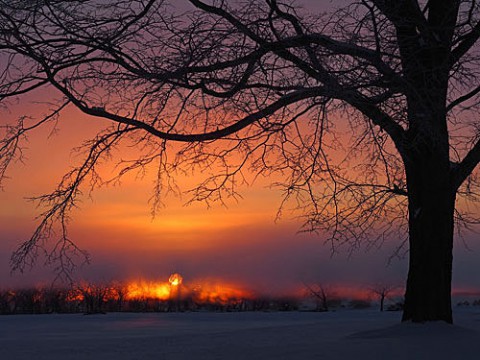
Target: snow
<point>345,334</point>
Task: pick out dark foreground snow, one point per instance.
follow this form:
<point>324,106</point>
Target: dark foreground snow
<point>255,335</point>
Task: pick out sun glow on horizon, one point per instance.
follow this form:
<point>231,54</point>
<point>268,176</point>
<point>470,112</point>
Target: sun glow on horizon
<point>200,291</point>
<point>175,279</point>
<point>147,290</point>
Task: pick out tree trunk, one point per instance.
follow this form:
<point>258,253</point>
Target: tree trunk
<point>431,194</point>
<point>431,225</point>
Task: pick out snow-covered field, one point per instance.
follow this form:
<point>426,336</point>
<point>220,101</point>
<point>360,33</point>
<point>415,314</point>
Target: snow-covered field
<point>348,334</point>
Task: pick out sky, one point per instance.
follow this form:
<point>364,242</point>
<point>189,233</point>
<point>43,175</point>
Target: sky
<point>241,243</point>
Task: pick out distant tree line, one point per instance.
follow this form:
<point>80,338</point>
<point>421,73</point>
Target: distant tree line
<point>94,299</point>
<point>90,298</point>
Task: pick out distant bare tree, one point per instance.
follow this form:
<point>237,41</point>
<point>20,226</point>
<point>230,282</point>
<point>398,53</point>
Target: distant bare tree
<point>323,295</point>
<point>261,85</point>
<point>9,302</point>
<point>94,297</point>
<point>5,298</point>
<point>382,291</point>
<point>119,292</point>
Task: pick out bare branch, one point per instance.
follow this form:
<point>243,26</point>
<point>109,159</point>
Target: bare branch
<point>466,42</point>
<point>463,169</point>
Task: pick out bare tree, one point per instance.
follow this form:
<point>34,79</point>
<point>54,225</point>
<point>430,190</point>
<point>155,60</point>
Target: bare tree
<point>382,291</point>
<point>93,296</point>
<point>322,294</point>
<point>119,292</point>
<point>262,86</point>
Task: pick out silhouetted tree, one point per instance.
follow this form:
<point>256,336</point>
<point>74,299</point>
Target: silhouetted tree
<point>5,299</point>
<point>276,90</point>
<point>118,292</point>
<point>55,300</point>
<point>322,294</point>
<point>94,297</point>
<point>382,291</point>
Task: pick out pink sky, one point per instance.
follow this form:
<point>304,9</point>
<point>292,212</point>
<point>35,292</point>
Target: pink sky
<point>241,243</point>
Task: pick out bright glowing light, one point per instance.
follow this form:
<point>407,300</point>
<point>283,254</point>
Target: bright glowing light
<point>218,293</point>
<point>175,279</point>
<point>204,291</point>
<point>146,290</point>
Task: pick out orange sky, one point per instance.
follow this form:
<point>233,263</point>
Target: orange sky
<point>241,243</point>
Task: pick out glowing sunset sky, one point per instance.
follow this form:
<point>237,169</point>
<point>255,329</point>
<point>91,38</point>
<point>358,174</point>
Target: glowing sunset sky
<point>241,243</point>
